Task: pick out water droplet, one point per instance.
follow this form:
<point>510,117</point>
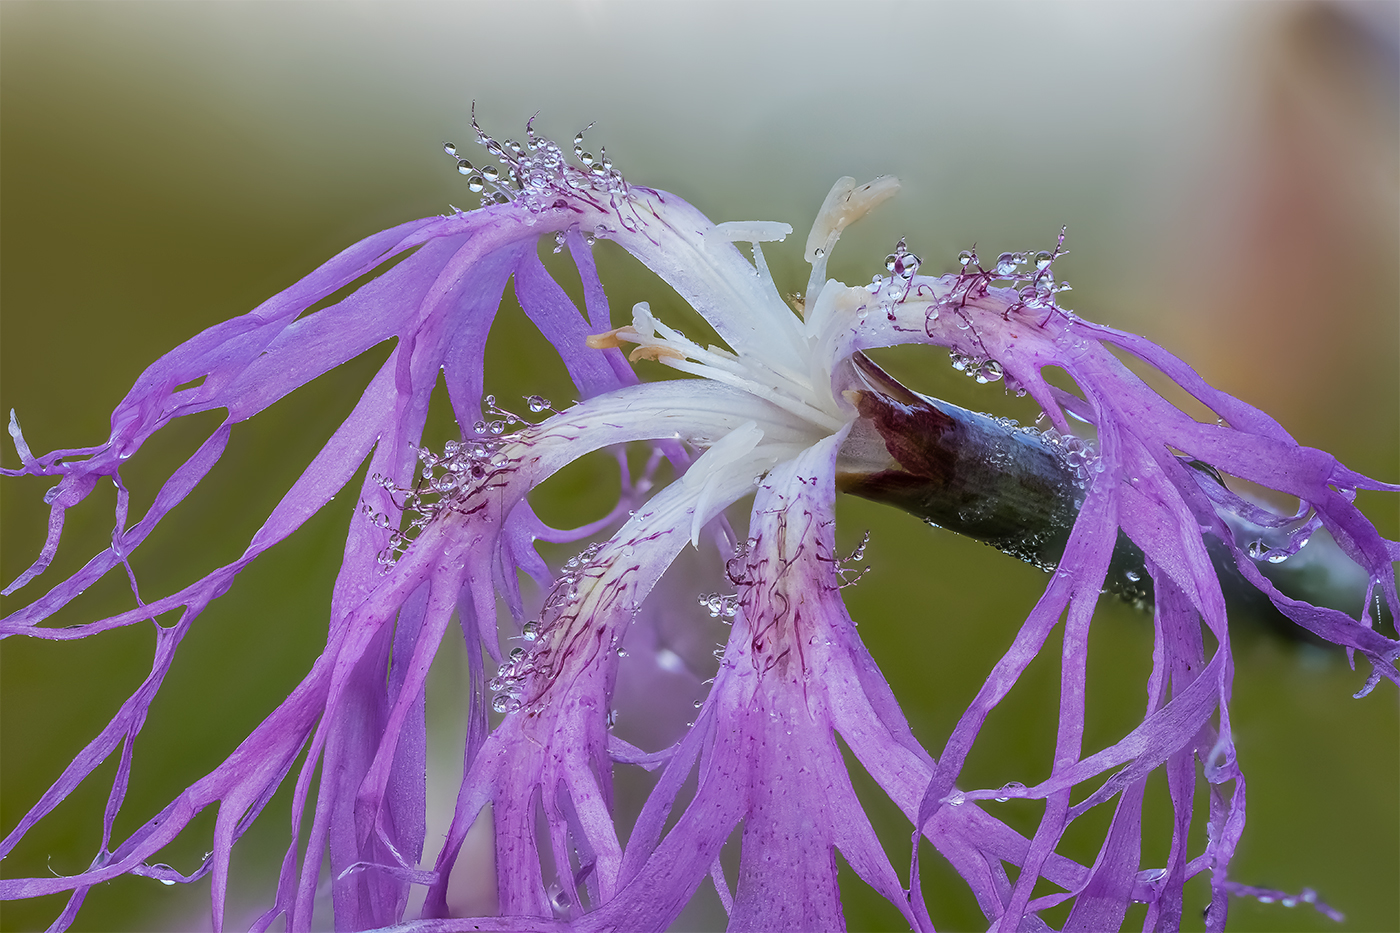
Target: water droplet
<point>1257,549</point>
<point>476,184</point>
<point>584,158</point>
<point>990,371</point>
<point>1007,789</point>
<point>1043,260</point>
<point>966,257</point>
<point>819,252</point>
<point>1133,576</point>
<point>622,652</point>
<point>464,166</point>
<point>538,403</point>
<point>500,702</point>
<point>517,654</point>
<point>490,172</point>
<point>531,631</point>
<point>1277,556</point>
<point>450,149</point>
<point>1006,264</point>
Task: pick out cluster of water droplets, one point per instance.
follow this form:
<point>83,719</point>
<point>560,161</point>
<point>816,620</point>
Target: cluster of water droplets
<point>524,662</point>
<point>536,172</point>
<point>849,570</point>
<point>980,368</point>
<point>1030,273</point>
<point>1306,896</point>
<point>1075,452</point>
<point>565,589</point>
<point>447,480</point>
<point>735,568</point>
<point>901,265</point>
<point>720,605</point>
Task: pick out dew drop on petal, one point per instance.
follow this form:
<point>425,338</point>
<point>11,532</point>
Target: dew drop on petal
<point>1008,788</point>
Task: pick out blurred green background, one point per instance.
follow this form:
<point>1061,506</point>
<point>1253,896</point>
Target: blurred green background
<point>1228,174</point>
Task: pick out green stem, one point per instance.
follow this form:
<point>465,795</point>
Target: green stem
<point>1014,489</point>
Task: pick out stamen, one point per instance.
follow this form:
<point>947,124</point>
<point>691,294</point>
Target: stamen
<point>654,352</point>
<point>608,340</point>
<point>844,205</point>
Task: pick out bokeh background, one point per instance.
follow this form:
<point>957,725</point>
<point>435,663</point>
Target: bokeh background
<point>1228,173</point>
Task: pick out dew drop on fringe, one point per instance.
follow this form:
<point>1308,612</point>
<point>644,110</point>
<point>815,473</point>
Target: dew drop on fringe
<point>784,408</point>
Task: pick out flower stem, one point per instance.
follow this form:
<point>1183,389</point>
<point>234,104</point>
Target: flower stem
<point>999,483</point>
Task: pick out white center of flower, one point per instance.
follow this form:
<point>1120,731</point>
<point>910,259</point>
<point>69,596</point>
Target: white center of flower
<point>765,368</point>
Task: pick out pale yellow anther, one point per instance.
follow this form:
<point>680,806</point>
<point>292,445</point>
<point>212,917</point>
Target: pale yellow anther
<point>608,340</point>
<point>654,353</point>
<point>844,205</point>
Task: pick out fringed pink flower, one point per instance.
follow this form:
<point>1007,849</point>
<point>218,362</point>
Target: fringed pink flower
<point>777,412</point>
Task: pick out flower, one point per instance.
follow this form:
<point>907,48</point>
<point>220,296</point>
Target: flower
<point>787,410</point>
